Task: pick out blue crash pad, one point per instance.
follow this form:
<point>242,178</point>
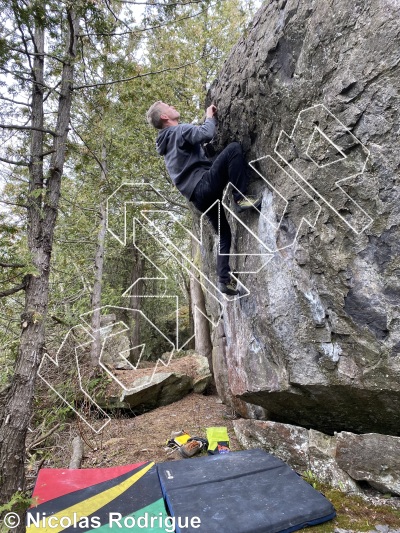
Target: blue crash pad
<point>241,492</point>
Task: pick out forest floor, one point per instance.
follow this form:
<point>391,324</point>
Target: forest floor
<point>143,438</point>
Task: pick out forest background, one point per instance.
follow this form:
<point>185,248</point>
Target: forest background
<point>76,81</point>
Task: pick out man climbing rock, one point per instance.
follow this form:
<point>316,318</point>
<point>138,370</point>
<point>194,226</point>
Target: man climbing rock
<point>198,179</point>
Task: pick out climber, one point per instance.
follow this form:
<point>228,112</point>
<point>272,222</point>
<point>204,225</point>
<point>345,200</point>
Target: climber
<point>198,179</point>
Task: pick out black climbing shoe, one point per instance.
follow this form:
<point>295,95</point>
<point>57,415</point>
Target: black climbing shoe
<point>228,288</point>
<point>247,203</point>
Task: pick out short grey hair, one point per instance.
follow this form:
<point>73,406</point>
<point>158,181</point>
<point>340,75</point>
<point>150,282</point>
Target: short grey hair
<point>153,115</point>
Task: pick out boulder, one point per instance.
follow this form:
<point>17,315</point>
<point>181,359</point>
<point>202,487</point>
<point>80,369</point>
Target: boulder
<point>311,92</point>
<point>304,450</point>
<point>289,443</point>
<point>339,460</point>
<point>115,344</point>
<point>163,389</point>
<point>372,458</point>
<point>108,320</point>
<point>149,389</point>
<point>322,458</point>
<point>220,367</point>
<point>201,377</point>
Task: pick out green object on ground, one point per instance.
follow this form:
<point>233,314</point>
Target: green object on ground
<point>218,440</point>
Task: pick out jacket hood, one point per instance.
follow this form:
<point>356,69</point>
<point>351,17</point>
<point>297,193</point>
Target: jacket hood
<point>162,140</point>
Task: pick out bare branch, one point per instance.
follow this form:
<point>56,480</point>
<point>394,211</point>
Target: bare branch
<point>42,438</point>
<point>151,4</point>
<point>172,202</point>
<point>153,73</point>
<point>108,4</point>
<point>149,28</point>
<point>25,42</point>
<point>15,289</point>
<point>83,209</point>
<point>27,104</point>
<point>10,162</point>
<point>29,80</point>
<point>54,89</point>
<point>47,153</point>
<point>83,58</point>
<point>15,127</point>
<point>60,321</point>
<point>19,75</point>
<point>45,54</point>
<point>11,265</point>
<point>15,204</point>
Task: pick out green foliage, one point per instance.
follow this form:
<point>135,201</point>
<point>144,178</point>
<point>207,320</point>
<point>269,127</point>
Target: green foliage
<point>19,502</point>
<point>98,384</point>
<point>47,414</point>
<point>311,478</point>
<point>355,513</point>
<point>110,143</point>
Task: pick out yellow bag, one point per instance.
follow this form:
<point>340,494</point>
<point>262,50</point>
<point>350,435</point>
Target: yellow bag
<point>178,440</point>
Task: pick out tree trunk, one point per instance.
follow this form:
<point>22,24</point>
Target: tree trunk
<point>77,453</point>
<point>187,285</point>
<point>135,301</point>
<point>98,265</point>
<point>203,344</point>
<point>41,223</point>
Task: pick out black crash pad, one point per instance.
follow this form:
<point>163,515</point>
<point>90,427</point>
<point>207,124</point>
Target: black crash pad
<point>241,492</point>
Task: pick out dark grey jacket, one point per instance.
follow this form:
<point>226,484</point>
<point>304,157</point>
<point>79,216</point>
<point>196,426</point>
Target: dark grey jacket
<point>183,154</point>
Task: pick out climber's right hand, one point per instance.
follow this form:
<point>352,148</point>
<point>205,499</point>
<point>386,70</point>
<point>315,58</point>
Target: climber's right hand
<point>211,111</point>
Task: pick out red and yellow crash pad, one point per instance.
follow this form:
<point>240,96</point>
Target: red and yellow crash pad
<point>99,499</point>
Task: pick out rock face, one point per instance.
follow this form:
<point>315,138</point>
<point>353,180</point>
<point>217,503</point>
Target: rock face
<point>164,388</point>
<point>146,390</point>
<point>372,458</point>
<point>113,344</point>
<point>317,341</point>
<point>339,461</point>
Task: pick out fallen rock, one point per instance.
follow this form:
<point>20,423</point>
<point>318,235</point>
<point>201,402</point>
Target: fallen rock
<point>114,343</point>
<point>322,460</point>
<point>304,450</point>
<point>201,377</point>
<point>371,457</point>
<point>108,320</point>
<point>146,388</point>
<point>163,389</point>
<point>289,443</point>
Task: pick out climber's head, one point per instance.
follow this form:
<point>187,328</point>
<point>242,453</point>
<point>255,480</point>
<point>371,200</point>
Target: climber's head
<point>161,115</point>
